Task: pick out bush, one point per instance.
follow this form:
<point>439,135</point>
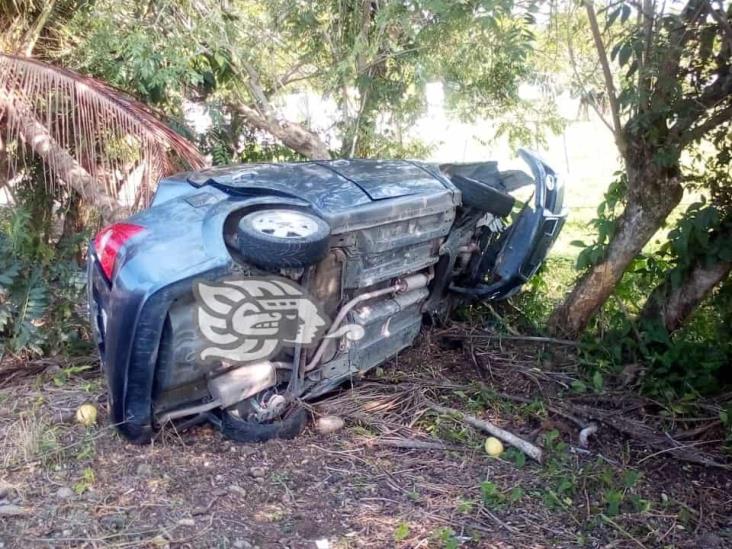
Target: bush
<point>42,282</point>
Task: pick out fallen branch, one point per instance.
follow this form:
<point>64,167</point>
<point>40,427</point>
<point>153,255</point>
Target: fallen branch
<point>516,337</point>
<point>411,444</point>
<point>583,416</point>
<point>534,452</point>
<point>642,432</point>
<point>553,409</point>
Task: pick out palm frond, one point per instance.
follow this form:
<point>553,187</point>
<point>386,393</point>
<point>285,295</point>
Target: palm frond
<point>90,136</point>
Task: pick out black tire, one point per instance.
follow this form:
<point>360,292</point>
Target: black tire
<point>483,197</point>
<point>259,245</point>
<point>237,429</point>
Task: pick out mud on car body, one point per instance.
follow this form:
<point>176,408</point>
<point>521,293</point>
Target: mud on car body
<point>348,255</point>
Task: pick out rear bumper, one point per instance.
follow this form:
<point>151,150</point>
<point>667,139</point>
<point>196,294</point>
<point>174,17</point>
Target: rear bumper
<point>114,323</point>
<point>128,327</point>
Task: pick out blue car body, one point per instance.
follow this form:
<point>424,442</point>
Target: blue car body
<point>387,219</point>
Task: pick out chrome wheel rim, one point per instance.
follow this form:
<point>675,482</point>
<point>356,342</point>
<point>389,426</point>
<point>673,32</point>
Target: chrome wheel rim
<point>283,224</point>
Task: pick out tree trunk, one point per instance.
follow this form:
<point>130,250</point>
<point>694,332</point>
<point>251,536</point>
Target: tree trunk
<point>636,226</point>
<point>291,134</point>
<point>62,164</point>
<point>671,306</point>
<point>3,154</point>
<point>34,33</point>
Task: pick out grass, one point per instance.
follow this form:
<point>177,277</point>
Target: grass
<point>27,439</point>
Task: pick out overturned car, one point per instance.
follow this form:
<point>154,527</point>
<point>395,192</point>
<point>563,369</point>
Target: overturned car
<point>244,290</point>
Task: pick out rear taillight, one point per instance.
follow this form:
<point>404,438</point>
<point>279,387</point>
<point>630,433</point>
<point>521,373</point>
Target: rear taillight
<point>109,242</point>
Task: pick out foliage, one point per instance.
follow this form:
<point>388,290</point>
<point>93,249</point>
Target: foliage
<point>614,490</point>
<point>372,60</point>
<point>478,50</point>
<point>687,360</point>
<point>228,141</point>
<point>604,224</point>
<point>41,282</point>
<point>401,532</point>
<point>667,93</point>
<point>663,88</point>
<point>155,51</point>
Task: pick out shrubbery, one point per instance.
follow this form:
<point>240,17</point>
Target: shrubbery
<point>42,279</point>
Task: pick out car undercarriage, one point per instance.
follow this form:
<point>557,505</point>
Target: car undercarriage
<point>243,291</point>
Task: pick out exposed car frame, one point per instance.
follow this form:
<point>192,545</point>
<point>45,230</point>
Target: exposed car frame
<point>383,243</point>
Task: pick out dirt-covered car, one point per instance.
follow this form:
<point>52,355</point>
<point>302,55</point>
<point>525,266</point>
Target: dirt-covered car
<point>244,290</point>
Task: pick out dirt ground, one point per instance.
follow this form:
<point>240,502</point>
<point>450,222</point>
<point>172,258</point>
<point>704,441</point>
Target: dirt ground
<point>64,485</point>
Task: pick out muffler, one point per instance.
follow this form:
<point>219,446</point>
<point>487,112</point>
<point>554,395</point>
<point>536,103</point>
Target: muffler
<point>230,388</point>
<point>241,383</point>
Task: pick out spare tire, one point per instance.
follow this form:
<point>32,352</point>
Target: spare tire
<point>282,238</point>
<point>483,197</point>
<point>240,430</point>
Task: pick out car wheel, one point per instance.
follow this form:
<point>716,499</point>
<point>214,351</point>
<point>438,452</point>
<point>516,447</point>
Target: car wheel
<point>235,428</point>
<point>483,197</point>
<point>281,238</point>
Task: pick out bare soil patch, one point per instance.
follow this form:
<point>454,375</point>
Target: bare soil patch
<point>64,485</point>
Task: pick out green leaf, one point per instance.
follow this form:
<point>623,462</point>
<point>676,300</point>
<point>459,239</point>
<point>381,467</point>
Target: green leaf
<point>597,381</point>
<point>626,12</point>
<point>612,17</point>
<point>630,478</point>
<point>613,499</point>
<point>579,386</point>
<point>401,532</point>
<point>624,54</point>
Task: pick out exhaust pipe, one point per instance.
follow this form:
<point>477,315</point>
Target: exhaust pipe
<point>232,387</point>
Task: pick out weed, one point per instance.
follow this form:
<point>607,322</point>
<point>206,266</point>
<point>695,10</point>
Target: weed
<point>29,438</point>
<point>446,538</point>
<point>63,376</point>
<point>517,457</point>
<point>450,430</point>
<point>86,481</point>
<point>464,506</point>
<point>492,496</point>
<point>87,448</point>
<point>401,532</point>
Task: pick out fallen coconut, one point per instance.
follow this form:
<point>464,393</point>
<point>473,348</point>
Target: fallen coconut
<point>86,414</point>
<point>493,447</point>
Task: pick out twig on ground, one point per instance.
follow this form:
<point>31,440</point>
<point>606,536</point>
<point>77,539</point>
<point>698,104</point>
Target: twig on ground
<point>534,452</point>
<point>553,409</point>
<point>516,337</point>
<point>620,529</point>
<point>412,444</point>
<point>646,434</point>
<point>698,431</point>
<point>682,447</point>
<point>502,320</point>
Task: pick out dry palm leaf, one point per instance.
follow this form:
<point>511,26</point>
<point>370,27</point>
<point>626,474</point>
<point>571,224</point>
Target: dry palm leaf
<point>91,137</point>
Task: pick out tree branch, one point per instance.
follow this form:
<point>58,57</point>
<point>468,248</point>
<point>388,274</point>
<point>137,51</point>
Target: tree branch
<point>721,18</point>
<point>695,107</point>
<point>699,131</point>
<point>291,134</point>
<point>573,62</point>
<point>608,76</point>
<point>255,87</point>
<point>34,33</point>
